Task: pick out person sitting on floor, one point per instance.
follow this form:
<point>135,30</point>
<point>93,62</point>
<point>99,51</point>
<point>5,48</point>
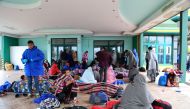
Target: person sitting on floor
<point>95,69</point>
<point>54,70</point>
<point>63,86</point>
<point>172,80</point>
<point>136,95</point>
<point>46,65</point>
<point>20,87</point>
<point>88,76</point>
<point>77,65</point>
<point>66,66</point>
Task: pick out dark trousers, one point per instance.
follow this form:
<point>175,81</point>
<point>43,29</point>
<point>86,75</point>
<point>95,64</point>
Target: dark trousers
<point>103,74</point>
<point>147,65</point>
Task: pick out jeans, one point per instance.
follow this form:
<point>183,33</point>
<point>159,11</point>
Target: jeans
<point>103,74</point>
<point>36,81</point>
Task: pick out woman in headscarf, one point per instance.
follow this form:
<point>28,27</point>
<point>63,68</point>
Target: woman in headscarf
<point>136,56</point>
<point>131,59</point>
<point>136,95</point>
<point>153,65</point>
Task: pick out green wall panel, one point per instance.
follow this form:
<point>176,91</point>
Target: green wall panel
<point>7,43</point>
<point>135,42</point>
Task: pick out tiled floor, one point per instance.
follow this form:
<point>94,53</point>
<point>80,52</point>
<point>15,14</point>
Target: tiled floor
<point>179,100</point>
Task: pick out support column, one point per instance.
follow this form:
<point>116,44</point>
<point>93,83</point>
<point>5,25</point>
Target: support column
<point>141,50</point>
<point>183,42</point>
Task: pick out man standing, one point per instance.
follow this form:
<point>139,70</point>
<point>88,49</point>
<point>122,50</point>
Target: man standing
<point>153,65</point>
<point>105,60</point>
<point>33,60</point>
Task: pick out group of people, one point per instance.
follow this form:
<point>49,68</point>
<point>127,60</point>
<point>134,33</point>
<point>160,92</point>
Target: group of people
<point>136,94</point>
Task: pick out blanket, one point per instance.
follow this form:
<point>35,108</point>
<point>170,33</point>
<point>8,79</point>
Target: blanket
<point>88,88</point>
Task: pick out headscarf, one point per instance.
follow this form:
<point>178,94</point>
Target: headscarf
<point>136,55</point>
<point>132,73</point>
<point>131,59</point>
<point>88,76</point>
<point>136,95</point>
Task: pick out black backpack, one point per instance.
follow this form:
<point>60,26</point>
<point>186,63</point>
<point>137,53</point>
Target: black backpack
<point>160,104</point>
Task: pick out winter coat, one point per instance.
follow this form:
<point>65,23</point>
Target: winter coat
<point>54,70</point>
<point>34,65</point>
<point>104,58</point>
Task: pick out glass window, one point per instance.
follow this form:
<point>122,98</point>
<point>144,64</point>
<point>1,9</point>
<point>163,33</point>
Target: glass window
<point>168,40</point>
<point>70,41</point>
<point>160,54</point>
<point>57,41</point>
<point>175,42</point>
<point>152,39</point>
<point>160,40</point>
<point>146,39</point>
<point>54,53</point>
<point>61,44</point>
<point>110,45</point>
<point>168,54</point>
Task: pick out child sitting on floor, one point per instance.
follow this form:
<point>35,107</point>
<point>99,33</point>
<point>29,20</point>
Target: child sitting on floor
<point>54,70</point>
<point>20,87</point>
<point>172,80</point>
<point>66,66</point>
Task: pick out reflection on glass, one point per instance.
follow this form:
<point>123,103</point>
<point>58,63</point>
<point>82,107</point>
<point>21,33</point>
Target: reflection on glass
<point>61,44</point>
<point>168,54</point>
<point>160,40</point>
<point>168,40</point>
<point>152,39</point>
<point>160,54</point>
<point>146,39</point>
<point>54,53</point>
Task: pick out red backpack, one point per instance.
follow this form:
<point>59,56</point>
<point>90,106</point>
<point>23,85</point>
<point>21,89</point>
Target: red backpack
<point>160,104</point>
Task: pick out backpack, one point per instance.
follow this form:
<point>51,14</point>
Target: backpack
<point>163,80</point>
<point>98,98</point>
<point>160,104</point>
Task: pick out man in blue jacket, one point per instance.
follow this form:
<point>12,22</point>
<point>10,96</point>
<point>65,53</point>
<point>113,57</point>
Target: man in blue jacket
<point>33,60</point>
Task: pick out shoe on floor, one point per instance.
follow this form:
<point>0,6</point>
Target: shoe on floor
<point>17,95</point>
<point>30,95</point>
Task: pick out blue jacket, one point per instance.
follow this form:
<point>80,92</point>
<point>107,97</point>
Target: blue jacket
<point>34,66</point>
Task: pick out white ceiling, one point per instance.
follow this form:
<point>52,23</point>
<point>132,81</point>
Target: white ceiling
<point>67,17</point>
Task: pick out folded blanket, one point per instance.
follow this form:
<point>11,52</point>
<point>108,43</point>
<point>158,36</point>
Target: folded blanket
<point>109,89</point>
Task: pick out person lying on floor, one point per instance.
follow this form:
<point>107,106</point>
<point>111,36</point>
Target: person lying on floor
<point>136,94</point>
<point>172,80</point>
<point>54,70</point>
<point>20,87</point>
